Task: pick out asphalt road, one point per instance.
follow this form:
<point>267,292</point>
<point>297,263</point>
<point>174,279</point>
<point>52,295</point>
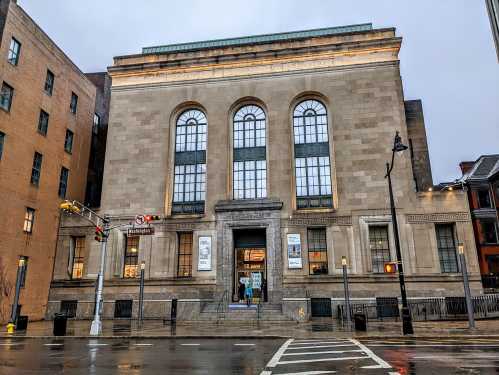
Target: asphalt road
<point>248,356</point>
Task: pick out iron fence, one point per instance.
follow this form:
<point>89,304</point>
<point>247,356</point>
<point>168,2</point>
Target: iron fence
<point>426,309</point>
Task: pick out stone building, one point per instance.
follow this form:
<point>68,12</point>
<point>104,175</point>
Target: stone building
<point>265,158</point>
<point>482,180</point>
<point>46,111</point>
<point>493,9</point>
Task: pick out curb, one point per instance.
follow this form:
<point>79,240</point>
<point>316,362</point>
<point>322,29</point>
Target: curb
<point>250,337</point>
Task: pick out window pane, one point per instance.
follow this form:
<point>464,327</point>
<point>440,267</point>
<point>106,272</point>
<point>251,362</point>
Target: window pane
<point>43,122</point>
<point>380,247</point>
<point>49,82</point>
<point>68,142</point>
<point>317,251</point>
<point>78,258</point>
<point>2,140</point>
<point>73,106</point>
<point>14,51</point>
<point>249,127</point>
<point>191,131</point>
<point>6,97</point>
<point>446,247</point>
<point>63,182</point>
<point>184,255</point>
<point>36,170</point>
<point>29,218</point>
<point>131,262</point>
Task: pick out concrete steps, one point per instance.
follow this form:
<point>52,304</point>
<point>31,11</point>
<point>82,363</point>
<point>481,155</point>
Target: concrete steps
<point>242,312</point>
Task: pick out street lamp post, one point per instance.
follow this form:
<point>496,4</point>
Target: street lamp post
<point>96,328</point>
<point>347,293</point>
<point>467,293</point>
<point>15,304</point>
<point>141,292</point>
<point>407,328</point>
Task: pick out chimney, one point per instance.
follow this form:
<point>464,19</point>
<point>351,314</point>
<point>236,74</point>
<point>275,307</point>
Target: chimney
<point>466,166</point>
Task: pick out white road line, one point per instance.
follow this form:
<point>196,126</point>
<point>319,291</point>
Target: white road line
<point>318,342</point>
<point>394,373</point>
<point>325,352</point>
<point>435,345</point>
<point>190,344</point>
<point>308,373</point>
<point>275,359</point>
<point>244,344</point>
<point>374,357</point>
<point>97,344</point>
<point>53,344</point>
<point>144,344</point>
<point>457,356</point>
<point>12,344</point>
<point>319,346</point>
<point>321,360</point>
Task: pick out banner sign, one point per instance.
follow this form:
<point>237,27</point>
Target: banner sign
<point>204,253</point>
<point>294,251</point>
<point>146,231</point>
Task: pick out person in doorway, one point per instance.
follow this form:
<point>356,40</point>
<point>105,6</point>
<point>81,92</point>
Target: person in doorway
<point>240,291</point>
<point>249,291</point>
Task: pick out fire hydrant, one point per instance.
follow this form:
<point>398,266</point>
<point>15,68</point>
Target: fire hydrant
<point>10,327</point>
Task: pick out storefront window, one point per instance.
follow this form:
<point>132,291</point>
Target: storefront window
<point>131,258</point>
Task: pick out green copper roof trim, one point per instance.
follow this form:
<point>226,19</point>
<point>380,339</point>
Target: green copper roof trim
<point>216,43</point>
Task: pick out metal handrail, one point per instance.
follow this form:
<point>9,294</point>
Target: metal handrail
<point>221,304</point>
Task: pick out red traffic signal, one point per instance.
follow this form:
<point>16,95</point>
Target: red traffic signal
<point>99,234</point>
<point>390,267</point>
<point>149,218</point>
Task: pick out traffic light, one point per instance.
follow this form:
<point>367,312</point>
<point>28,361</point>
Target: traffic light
<point>99,234</point>
<point>390,267</point>
<point>69,207</point>
<point>149,218</point>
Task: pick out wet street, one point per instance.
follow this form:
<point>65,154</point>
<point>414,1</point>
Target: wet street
<point>248,356</point>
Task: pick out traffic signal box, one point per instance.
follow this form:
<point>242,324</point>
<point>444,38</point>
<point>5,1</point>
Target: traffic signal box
<point>390,267</point>
<point>99,234</point>
<point>149,218</point>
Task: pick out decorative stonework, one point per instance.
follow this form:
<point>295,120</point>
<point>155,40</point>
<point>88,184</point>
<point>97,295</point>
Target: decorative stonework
<point>437,217</point>
<point>333,220</point>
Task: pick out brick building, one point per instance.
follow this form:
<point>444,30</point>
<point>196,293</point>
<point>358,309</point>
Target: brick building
<point>265,157</point>
<point>46,114</point>
<point>482,179</point>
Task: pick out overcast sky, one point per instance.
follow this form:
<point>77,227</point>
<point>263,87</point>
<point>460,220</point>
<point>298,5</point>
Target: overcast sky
<point>448,58</point>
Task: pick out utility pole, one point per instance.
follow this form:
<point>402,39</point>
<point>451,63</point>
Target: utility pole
<point>141,292</point>
<point>347,293</point>
<point>96,328</point>
<point>15,305</point>
<point>467,293</point>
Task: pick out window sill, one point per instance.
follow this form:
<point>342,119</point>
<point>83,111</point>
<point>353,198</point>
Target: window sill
<point>299,211</point>
<point>47,93</point>
<point>68,152</point>
<point>5,110</point>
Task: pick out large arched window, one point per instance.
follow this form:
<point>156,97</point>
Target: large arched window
<point>250,167</point>
<point>313,177</point>
<point>190,162</point>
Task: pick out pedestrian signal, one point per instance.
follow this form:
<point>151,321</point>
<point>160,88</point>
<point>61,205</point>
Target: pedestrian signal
<point>390,267</point>
<point>99,234</point>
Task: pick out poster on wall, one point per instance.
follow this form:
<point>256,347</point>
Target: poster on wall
<point>294,251</point>
<point>204,253</point>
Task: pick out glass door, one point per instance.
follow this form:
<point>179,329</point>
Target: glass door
<point>250,265</point>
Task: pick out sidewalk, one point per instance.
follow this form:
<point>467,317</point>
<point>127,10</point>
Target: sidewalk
<point>315,329</point>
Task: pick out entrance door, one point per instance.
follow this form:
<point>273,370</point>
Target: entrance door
<point>250,262</point>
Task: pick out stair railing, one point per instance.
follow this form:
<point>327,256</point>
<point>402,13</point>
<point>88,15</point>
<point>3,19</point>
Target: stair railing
<point>221,307</point>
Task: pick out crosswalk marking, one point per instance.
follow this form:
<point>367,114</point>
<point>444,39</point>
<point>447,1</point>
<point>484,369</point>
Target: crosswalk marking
<point>54,344</point>
<point>325,352</point>
<point>319,346</point>
<point>244,344</point>
<point>307,354</point>
<point>143,344</point>
<point>190,344</point>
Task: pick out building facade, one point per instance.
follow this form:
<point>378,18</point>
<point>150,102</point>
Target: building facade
<point>493,9</point>
<point>46,111</point>
<point>482,180</point>
<point>265,158</point>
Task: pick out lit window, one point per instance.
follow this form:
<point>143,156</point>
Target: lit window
<point>37,169</point>
<point>380,247</point>
<point>190,163</point>
<point>14,51</point>
<point>184,255</point>
<point>43,122</point>
<point>73,106</point>
<point>63,182</point>
<point>78,257</point>
<point>131,258</point>
<point>312,162</point>
<point>250,166</point>
<point>29,218</point>
<point>6,97</point>
<point>446,244</point>
<point>317,251</point>
<point>68,142</point>
<point>49,82</point>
